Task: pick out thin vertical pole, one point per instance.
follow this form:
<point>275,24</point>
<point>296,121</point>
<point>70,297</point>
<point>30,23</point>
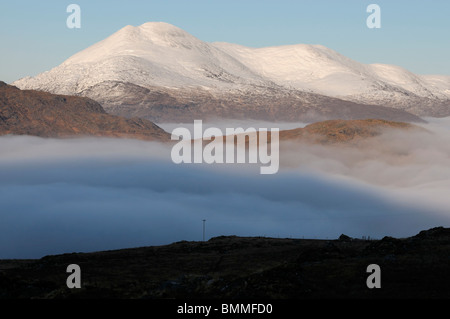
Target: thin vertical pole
<point>204,229</point>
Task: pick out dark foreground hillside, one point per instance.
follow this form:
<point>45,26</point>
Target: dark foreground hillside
<point>236,267</point>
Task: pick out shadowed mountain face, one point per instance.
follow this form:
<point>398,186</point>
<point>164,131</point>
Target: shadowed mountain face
<point>269,104</point>
<point>24,112</point>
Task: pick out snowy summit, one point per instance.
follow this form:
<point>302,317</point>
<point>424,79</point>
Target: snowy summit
<point>159,56</point>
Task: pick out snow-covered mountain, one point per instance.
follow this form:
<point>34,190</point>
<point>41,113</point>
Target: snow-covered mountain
<point>153,54</point>
<point>161,72</point>
<point>324,71</point>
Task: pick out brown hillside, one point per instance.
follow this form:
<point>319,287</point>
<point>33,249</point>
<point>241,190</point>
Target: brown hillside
<point>338,131</point>
<point>342,131</point>
<point>26,112</point>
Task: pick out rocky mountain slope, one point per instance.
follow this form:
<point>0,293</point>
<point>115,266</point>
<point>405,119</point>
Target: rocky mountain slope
<point>163,73</point>
<point>28,112</point>
<point>25,112</point>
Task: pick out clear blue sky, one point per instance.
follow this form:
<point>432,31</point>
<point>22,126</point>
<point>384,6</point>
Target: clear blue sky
<point>414,34</point>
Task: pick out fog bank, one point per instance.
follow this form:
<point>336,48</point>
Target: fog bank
<point>81,195</point>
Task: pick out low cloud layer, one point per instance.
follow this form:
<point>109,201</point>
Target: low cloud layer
<point>82,195</point>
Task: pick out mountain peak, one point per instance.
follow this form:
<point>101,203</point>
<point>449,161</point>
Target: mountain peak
<point>160,27</point>
<point>165,34</point>
<point>158,33</point>
<point>145,39</point>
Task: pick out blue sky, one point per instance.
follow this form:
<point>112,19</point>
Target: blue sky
<point>414,34</point>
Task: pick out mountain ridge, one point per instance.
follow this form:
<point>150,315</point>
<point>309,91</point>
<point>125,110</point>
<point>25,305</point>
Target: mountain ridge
<point>228,79</point>
<point>28,112</point>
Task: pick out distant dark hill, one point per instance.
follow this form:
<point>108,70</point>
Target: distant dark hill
<point>27,112</point>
